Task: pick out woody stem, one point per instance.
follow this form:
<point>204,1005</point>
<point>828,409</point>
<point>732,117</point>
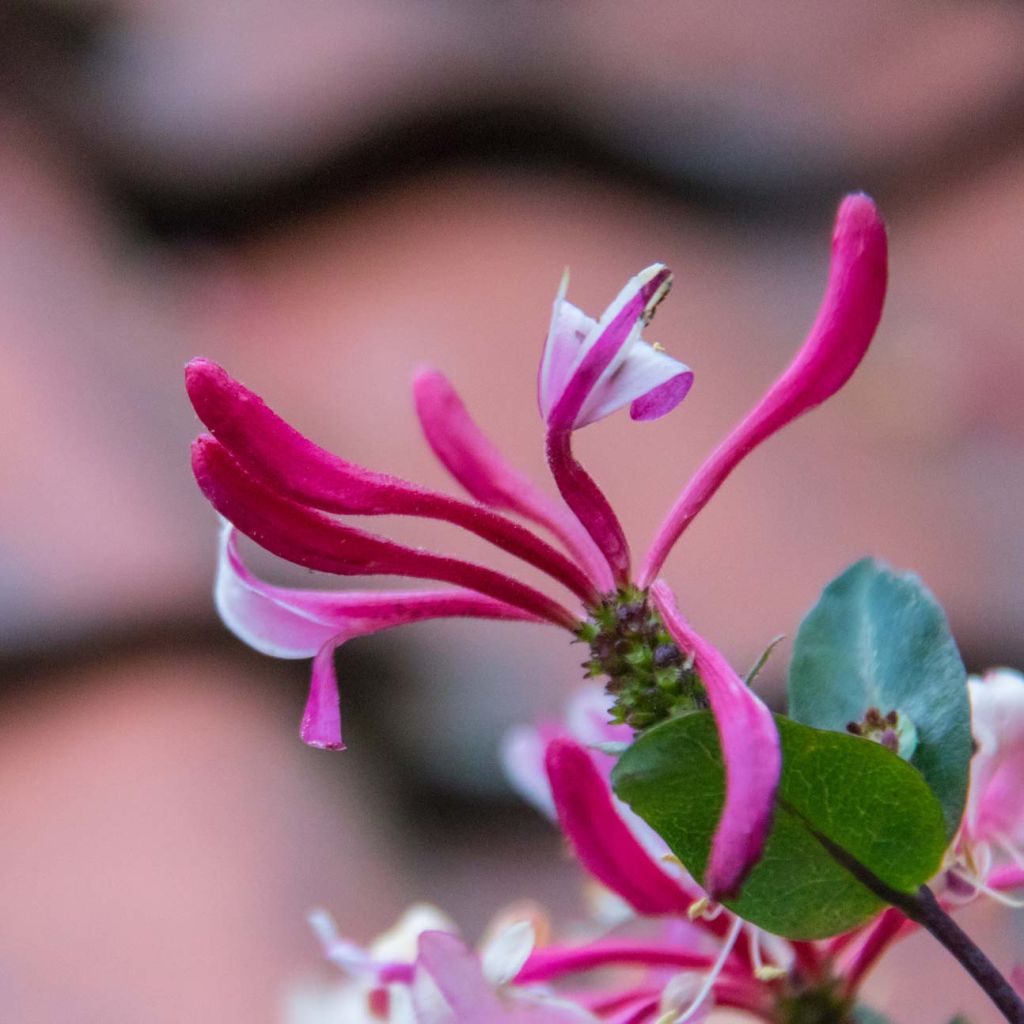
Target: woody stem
<point>924,908</point>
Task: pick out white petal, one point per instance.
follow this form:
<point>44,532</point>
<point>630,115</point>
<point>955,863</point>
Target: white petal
<point>400,942</point>
<point>522,758</point>
<point>255,617</point>
<point>569,328</point>
<point>503,957</point>
<point>641,370</point>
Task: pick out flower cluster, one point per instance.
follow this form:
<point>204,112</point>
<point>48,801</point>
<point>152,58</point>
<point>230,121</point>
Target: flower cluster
<point>667,947</point>
<point>661,952</point>
<point>270,483</point>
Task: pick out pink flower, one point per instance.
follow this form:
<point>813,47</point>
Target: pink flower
<point>988,856</point>
<point>724,961</point>
<point>421,972</point>
<point>590,368</point>
<point>286,493</point>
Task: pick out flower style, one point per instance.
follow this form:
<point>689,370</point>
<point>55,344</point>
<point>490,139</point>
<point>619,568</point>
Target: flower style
<point>286,493</point>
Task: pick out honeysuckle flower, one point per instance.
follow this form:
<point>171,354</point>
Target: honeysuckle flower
<point>621,852</point>
<point>590,369</point>
<point>421,972</point>
<point>563,769</point>
<point>988,856</point>
<point>287,494</point>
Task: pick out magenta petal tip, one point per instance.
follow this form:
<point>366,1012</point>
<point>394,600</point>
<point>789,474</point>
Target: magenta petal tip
<point>662,399</point>
<point>835,346</point>
<point>602,840</point>
<point>750,750</point>
<point>321,720</point>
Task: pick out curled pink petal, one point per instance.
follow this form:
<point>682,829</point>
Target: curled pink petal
<point>837,343</point>
<point>573,395</point>
<point>648,380</point>
<point>601,839</point>
<point>611,367</point>
<point>271,450</point>
<point>750,750</point>
<point>250,609</point>
<point>309,538</point>
<point>291,623</point>
<point>589,504</point>
<point>471,458</point>
<point>286,622</point>
<point>664,397</point>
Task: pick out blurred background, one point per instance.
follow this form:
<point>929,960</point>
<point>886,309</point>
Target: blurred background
<point>323,196</point>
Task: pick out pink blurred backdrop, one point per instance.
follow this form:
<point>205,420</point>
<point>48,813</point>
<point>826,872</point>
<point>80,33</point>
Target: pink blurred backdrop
<point>323,197</point>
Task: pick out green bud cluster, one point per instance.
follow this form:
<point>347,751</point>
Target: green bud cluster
<point>647,673</point>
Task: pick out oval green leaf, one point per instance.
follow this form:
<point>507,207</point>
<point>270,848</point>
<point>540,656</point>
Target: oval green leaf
<point>853,791</point>
<point>879,639</point>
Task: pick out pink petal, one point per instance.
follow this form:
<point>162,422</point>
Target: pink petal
<point>251,611</point>
<point>838,341</point>
<point>589,504</point>
<point>476,463</point>
<point>306,537</point>
<point>640,1012</point>
<point>604,349</point>
<point>995,802</point>
<point>750,749</point>
<point>651,382</point>
<point>290,623</point>
<point>274,452</point>
<point>321,719</point>
<point>601,839</point>
<point>664,397</point>
<point>554,962</point>
<point>522,759</point>
<point>1008,876</point>
<point>458,976</point>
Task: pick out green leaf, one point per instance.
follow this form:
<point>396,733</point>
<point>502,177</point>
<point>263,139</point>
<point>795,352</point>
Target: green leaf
<point>853,791</point>
<point>879,639</point>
